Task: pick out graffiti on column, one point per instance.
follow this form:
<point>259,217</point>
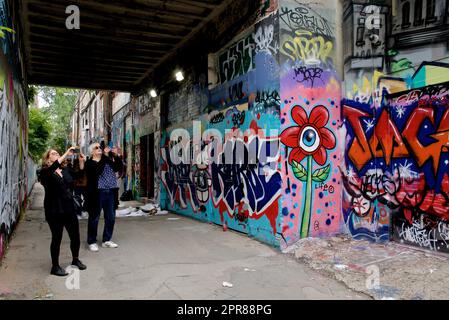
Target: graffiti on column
<point>310,117</point>
<point>309,140</point>
<point>265,97</point>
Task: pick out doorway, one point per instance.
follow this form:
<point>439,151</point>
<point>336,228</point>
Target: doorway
<point>147,166</point>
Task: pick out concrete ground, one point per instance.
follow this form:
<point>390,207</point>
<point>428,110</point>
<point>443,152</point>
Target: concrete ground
<point>389,271</point>
<point>160,257</point>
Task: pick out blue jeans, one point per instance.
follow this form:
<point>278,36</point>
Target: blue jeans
<point>107,203</point>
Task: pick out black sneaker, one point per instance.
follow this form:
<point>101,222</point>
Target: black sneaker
<point>58,271</point>
<point>77,263</point>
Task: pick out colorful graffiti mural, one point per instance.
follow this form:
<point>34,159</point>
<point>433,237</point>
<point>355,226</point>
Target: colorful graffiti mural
<point>237,191</point>
<point>244,193</point>
<point>397,157</point>
<point>389,47</point>
<point>364,154</point>
<point>13,152</point>
<point>310,116</point>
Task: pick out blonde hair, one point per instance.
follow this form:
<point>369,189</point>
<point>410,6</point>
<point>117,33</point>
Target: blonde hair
<point>45,157</point>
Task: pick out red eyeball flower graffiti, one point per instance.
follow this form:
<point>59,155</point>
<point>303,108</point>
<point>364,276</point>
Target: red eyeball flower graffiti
<point>310,137</point>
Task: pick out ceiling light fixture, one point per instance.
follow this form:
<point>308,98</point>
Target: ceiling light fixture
<point>179,76</point>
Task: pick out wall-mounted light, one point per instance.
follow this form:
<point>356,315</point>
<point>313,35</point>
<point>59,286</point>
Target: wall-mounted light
<point>179,76</point>
<point>153,93</point>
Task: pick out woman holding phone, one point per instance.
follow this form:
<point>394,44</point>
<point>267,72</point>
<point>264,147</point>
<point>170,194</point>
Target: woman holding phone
<point>59,206</point>
<point>101,193</point>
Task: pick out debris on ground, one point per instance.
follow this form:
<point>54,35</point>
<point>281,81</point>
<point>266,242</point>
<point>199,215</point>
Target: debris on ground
<point>340,266</point>
<point>149,209</point>
<point>384,271</point>
<point>227,284</point>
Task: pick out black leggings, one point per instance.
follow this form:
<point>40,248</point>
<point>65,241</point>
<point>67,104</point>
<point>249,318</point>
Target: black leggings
<point>70,222</point>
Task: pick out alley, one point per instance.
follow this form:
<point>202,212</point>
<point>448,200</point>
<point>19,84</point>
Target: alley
<point>160,257</point>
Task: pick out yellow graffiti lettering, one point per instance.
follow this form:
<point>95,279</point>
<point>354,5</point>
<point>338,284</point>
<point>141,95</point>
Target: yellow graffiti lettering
<point>306,47</point>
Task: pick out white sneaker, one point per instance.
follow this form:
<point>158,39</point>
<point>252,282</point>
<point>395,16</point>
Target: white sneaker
<point>109,244</point>
<point>93,247</point>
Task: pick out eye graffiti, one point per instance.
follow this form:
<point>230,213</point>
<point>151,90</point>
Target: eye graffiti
<point>310,140</point>
<point>315,129</point>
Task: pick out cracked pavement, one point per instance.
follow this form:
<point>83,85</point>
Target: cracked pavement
<point>160,259</point>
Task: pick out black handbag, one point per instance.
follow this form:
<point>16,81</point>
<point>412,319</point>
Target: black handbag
<point>77,204</point>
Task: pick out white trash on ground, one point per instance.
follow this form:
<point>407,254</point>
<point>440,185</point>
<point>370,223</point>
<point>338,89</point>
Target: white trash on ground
<point>227,284</point>
<point>340,266</point>
<point>149,209</point>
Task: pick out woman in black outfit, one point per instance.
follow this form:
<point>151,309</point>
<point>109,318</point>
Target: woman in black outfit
<point>59,206</point>
<point>102,192</point>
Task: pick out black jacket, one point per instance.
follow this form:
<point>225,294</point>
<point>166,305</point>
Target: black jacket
<point>58,199</point>
<point>93,171</point>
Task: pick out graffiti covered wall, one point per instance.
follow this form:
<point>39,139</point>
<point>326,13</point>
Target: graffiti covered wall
<point>310,116</point>
<point>13,151</point>
<point>422,193</point>
<point>390,47</point>
<point>363,151</point>
<point>240,189</point>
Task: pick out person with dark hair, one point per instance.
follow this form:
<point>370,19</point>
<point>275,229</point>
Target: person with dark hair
<point>102,188</point>
<point>80,187</point>
<point>59,206</point>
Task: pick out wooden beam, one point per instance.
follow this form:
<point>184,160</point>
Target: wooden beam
<point>93,66</point>
<point>87,56</point>
<point>94,25</point>
<point>79,85</point>
<point>131,9</point>
<point>97,49</point>
<point>81,79</point>
<point>79,73</point>
<point>116,21</point>
<point>201,4</point>
<point>99,32</point>
<point>221,28</point>
<point>108,44</point>
<point>77,66</point>
<point>116,54</point>
<point>88,62</point>
<point>194,32</point>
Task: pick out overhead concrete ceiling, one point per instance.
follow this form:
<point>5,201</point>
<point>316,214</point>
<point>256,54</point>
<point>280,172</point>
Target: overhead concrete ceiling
<point>122,45</point>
